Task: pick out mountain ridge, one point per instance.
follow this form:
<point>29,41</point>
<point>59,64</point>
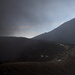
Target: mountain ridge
<point>62,34</point>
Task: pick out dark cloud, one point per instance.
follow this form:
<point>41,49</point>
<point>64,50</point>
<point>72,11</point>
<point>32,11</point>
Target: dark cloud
<point>32,17</point>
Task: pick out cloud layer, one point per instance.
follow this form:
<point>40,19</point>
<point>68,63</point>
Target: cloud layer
<point>32,17</point>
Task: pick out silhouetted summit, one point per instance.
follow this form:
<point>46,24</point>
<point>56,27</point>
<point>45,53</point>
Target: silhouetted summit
<point>63,34</point>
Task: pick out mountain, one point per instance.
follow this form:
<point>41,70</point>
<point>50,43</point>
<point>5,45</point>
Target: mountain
<point>63,34</point>
<point>42,51</point>
<point>23,49</point>
<point>11,47</point>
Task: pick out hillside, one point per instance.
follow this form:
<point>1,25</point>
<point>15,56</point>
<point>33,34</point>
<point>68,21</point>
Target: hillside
<point>62,34</point>
<point>66,65</point>
<point>57,59</point>
<point>23,49</point>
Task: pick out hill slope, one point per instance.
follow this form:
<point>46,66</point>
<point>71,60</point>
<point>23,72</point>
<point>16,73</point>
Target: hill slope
<point>23,49</point>
<point>62,34</point>
<point>64,67</point>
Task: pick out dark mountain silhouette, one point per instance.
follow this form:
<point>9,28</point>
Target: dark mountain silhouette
<point>63,34</point>
<point>23,49</point>
<point>11,47</point>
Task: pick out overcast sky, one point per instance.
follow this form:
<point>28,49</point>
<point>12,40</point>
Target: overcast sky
<point>28,18</point>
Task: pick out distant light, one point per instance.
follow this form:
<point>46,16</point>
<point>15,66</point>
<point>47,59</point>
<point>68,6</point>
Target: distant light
<point>59,60</point>
<point>62,44</point>
<point>42,56</point>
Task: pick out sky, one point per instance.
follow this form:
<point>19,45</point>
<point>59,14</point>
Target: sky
<point>28,18</point>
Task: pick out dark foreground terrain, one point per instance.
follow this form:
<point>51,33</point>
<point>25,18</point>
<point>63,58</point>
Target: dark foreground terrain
<point>61,65</point>
<point>38,68</point>
<point>20,56</point>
